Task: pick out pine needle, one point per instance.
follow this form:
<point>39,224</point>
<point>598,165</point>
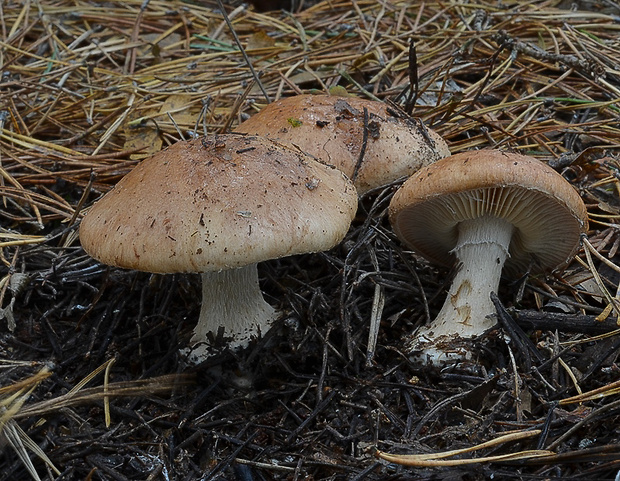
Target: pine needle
<point>437,459</point>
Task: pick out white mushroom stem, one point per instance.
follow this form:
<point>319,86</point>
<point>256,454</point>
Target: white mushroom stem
<point>481,252</point>
<point>232,301</point>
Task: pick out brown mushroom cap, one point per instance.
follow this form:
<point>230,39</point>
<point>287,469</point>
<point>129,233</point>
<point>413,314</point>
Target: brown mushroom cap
<point>331,128</point>
<point>547,213</point>
<point>219,202</point>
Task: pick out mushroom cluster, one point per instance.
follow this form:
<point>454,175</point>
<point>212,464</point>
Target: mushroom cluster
<point>479,211</point>
<point>282,185</point>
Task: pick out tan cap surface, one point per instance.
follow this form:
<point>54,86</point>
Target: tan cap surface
<point>331,128</point>
<point>546,211</point>
<point>219,202</point>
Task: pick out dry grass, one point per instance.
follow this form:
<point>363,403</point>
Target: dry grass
<point>87,89</point>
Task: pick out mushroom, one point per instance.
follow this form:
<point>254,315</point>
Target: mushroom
<point>333,129</point>
<point>478,210</point>
<point>218,205</point>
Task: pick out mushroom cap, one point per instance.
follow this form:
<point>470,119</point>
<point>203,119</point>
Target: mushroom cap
<point>331,128</point>
<point>547,213</point>
<point>219,202</point>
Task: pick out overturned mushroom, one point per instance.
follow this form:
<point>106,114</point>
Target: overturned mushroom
<point>480,210</point>
<point>218,205</point>
<point>367,141</point>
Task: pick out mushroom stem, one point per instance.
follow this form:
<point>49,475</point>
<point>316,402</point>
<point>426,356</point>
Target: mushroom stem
<point>481,251</point>
<point>231,300</point>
